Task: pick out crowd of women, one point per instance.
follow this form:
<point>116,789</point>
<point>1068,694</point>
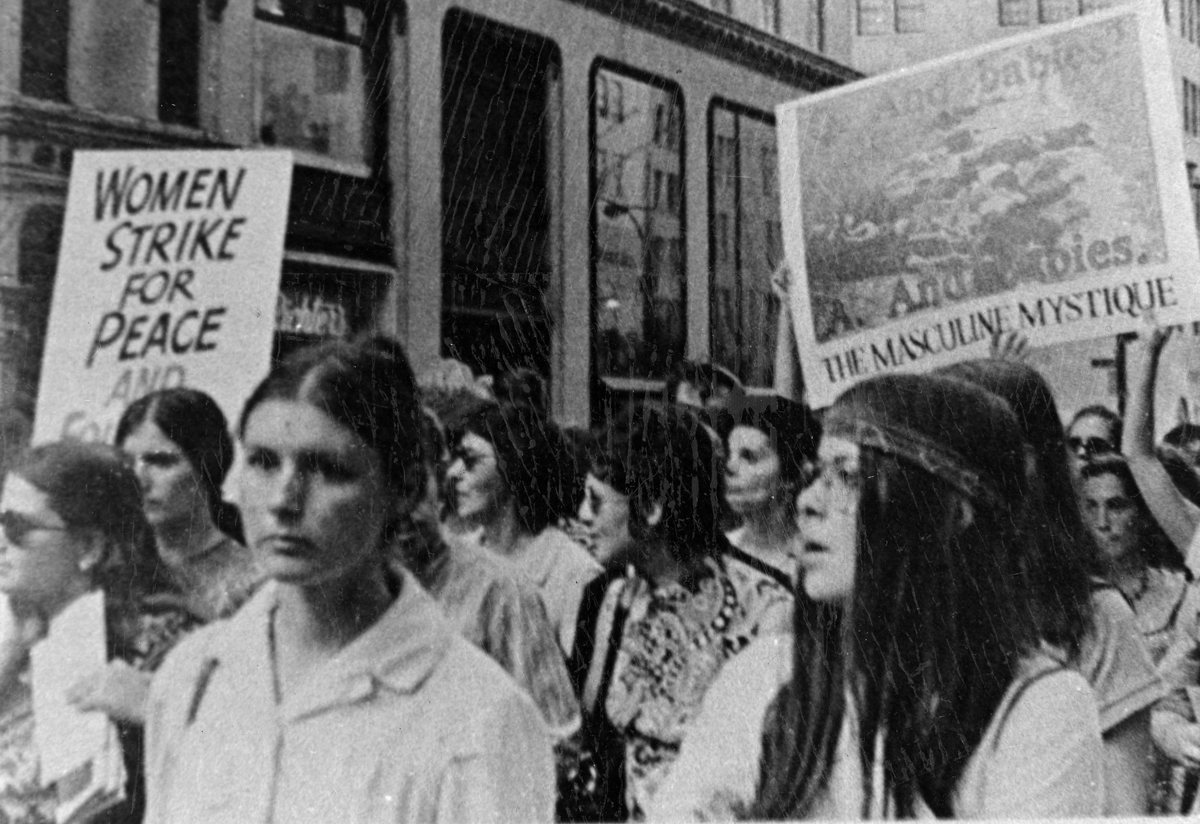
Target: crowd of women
<point>415,602</point>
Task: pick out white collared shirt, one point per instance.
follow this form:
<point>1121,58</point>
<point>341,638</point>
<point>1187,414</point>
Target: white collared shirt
<point>408,723</point>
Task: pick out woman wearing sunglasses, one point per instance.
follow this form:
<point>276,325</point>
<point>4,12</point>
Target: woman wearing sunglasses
<point>72,522</point>
<point>918,683</point>
<point>339,692</point>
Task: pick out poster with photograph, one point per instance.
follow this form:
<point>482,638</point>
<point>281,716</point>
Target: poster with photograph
<point>168,276</point>
<point>1035,185</point>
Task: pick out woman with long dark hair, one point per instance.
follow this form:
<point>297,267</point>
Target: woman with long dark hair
<point>339,692</point>
<point>919,682</point>
<point>179,442</point>
<point>1079,610</point>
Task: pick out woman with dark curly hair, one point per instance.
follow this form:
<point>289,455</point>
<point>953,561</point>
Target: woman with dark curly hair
<point>508,479</point>
<point>658,637</point>
<point>769,455</point>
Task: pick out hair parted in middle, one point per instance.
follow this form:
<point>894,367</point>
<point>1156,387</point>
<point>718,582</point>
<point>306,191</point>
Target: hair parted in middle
<point>931,637</point>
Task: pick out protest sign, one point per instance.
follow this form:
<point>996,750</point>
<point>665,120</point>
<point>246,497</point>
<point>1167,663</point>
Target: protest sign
<point>1034,185</point>
<point>168,275</point>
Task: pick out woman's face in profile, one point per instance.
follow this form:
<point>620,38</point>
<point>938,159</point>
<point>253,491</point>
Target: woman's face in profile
<point>39,558</point>
<point>473,480</point>
<point>314,497</point>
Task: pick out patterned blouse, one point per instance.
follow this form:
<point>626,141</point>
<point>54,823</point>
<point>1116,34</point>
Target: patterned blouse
<point>676,638</point>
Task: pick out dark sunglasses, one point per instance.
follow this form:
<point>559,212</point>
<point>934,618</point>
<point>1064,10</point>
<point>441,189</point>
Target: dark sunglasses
<point>1090,446</point>
<point>17,527</point>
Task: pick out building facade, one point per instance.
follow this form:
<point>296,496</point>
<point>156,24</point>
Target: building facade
<point>122,74</point>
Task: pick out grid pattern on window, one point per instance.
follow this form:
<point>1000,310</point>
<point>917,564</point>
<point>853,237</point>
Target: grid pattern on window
<point>638,253</point>
<point>745,242</point>
<point>876,17</point>
<point>311,92</point>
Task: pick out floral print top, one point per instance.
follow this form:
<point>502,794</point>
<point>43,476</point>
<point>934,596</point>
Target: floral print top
<point>675,641</point>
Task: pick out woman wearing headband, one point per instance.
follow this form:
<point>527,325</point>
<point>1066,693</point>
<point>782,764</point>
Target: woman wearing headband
<point>918,683</point>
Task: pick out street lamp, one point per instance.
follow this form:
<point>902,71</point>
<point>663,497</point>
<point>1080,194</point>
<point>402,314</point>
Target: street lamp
<point>648,279</point>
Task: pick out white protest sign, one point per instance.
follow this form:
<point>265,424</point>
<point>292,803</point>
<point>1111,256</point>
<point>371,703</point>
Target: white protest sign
<point>168,275</point>
<point>1035,185</point>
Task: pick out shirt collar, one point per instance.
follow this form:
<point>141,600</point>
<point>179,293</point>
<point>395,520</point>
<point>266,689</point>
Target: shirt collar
<point>398,652</point>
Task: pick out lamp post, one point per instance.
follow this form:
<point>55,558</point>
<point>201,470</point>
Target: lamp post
<point>648,278</point>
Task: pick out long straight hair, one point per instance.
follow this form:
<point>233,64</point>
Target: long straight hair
<point>926,648</point>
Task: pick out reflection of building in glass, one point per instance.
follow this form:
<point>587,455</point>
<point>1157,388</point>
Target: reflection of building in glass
<point>639,225</point>
<point>125,74</point>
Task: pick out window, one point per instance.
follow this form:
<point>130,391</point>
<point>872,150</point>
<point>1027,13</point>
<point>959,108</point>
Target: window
<point>45,33</point>
<point>910,16</point>
<point>497,246</point>
<point>876,17</point>
<point>179,62</point>
<point>673,192</point>
<point>639,285</point>
<point>311,93</point>
<point>1017,12</point>
<point>770,16</point>
<point>617,97</point>
<point>745,241</point>
<point>769,157</point>
<point>1191,108</point>
<point>27,309</point>
<point>1029,12</point>
<point>1194,188</point>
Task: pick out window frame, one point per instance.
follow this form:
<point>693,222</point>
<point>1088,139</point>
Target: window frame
<point>675,90</point>
<point>361,168</point>
<point>737,221</point>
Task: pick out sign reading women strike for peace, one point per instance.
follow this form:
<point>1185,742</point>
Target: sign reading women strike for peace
<point>168,275</point>
<point>1036,185</point>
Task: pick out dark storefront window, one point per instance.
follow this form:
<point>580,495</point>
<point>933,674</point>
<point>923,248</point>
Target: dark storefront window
<point>638,246</point>
<point>179,62</point>
<point>496,267</point>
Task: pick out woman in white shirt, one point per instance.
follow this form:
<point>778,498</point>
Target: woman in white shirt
<point>339,692</point>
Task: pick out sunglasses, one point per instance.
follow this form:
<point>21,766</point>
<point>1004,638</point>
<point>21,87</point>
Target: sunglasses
<point>1090,446</point>
<point>17,527</point>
